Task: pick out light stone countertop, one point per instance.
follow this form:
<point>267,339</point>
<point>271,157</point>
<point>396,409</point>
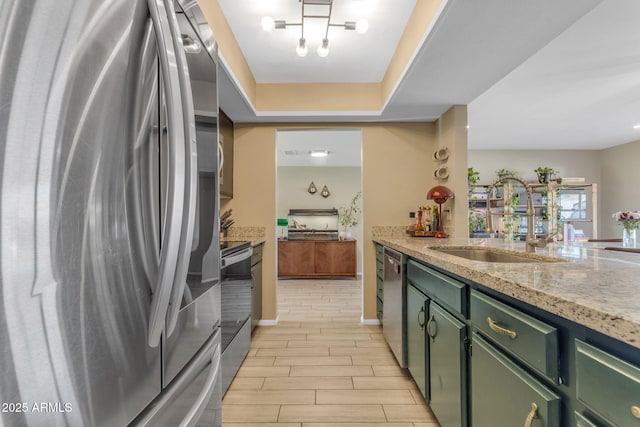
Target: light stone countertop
<point>596,288</point>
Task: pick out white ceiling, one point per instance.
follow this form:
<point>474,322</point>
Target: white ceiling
<point>272,56</point>
<point>344,147</point>
<point>536,74</point>
<point>581,91</point>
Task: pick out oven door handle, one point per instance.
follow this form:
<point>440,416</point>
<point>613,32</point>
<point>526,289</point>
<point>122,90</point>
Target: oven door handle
<point>236,258</point>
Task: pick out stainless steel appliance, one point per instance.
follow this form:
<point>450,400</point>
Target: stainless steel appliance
<point>109,281</point>
<point>236,307</point>
<point>394,303</point>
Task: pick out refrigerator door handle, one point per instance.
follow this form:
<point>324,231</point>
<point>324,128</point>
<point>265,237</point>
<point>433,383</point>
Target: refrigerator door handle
<point>171,229</point>
<point>220,155</point>
<point>189,123</point>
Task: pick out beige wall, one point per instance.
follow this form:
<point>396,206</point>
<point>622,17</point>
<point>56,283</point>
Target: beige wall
<point>620,170</point>
<point>254,201</point>
<point>396,174</point>
<point>452,134</point>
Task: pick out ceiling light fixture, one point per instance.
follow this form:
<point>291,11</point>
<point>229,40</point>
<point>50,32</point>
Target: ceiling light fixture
<point>269,24</point>
<point>636,126</point>
<point>318,153</point>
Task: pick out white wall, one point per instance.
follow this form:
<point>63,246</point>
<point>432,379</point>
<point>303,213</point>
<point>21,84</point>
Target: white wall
<point>620,189</point>
<point>570,163</point>
<point>343,183</point>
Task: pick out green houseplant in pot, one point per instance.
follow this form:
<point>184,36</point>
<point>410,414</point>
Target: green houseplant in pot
<point>545,174</point>
<point>350,215</point>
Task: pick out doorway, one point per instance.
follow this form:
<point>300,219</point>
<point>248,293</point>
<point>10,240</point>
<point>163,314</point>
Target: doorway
<point>336,177</point>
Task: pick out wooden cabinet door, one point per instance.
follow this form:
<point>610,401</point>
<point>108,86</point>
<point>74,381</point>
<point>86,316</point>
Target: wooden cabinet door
<point>416,346</point>
<point>296,259</point>
<point>447,357</point>
<point>336,258</point>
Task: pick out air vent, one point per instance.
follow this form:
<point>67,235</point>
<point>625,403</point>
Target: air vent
<point>318,2</point>
<point>290,153</point>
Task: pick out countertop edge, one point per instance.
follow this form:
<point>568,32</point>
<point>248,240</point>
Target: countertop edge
<point>607,323</point>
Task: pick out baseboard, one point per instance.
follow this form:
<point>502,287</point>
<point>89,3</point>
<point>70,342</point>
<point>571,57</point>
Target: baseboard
<point>263,322</point>
<point>369,321</point>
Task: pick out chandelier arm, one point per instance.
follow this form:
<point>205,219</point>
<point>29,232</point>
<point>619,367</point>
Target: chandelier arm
<point>326,33</point>
<point>302,22</point>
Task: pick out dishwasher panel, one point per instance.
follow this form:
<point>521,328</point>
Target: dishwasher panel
<point>394,303</point>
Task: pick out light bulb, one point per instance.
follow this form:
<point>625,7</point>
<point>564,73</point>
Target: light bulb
<point>362,25</point>
<point>302,49</point>
<point>268,24</point>
<point>323,49</point>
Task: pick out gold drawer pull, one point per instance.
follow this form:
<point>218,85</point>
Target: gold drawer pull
<point>499,329</point>
<point>635,411</point>
<point>531,415</point>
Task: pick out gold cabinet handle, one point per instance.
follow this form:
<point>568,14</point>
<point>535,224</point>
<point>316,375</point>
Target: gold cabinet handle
<point>635,411</point>
<point>432,327</point>
<point>421,324</point>
<point>531,415</point>
<point>499,329</point>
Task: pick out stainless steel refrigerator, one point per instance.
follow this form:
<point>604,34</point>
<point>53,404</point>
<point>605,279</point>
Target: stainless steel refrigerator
<point>109,252</point>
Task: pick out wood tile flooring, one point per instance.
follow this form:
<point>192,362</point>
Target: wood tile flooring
<point>319,367</point>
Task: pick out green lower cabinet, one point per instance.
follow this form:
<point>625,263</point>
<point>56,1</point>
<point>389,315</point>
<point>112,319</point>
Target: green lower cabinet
<point>416,343</point>
<point>581,421</point>
<point>447,365</point>
<point>607,385</point>
<point>504,395</point>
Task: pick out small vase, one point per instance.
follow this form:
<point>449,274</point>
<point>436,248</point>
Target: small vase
<point>629,238</point>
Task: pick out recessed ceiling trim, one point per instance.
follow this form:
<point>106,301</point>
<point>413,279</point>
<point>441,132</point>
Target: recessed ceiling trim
<point>338,113</point>
<point>236,82</point>
<point>427,34</point>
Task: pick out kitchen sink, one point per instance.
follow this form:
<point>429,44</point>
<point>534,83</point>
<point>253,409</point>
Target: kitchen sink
<point>492,255</point>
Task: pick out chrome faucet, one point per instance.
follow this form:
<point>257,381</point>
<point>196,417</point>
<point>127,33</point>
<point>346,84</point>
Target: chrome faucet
<point>532,242</point>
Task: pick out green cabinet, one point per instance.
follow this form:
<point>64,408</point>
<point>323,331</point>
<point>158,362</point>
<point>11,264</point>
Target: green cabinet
<point>581,421</point>
<point>436,341</point>
<point>504,395</point>
<point>607,385</point>
<point>447,366</point>
<point>484,358</point>
<point>528,339</point>
<point>416,345</point>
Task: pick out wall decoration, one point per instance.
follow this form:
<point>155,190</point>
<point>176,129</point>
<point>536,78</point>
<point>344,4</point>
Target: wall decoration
<point>312,188</point>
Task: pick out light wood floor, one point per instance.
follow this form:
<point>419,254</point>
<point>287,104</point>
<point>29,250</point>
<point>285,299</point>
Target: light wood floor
<point>319,367</point>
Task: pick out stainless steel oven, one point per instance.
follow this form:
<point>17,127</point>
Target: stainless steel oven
<point>235,283</point>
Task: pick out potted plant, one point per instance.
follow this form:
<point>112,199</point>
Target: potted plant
<point>350,215</point>
<point>473,176</point>
<point>545,174</point>
<point>501,173</point>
